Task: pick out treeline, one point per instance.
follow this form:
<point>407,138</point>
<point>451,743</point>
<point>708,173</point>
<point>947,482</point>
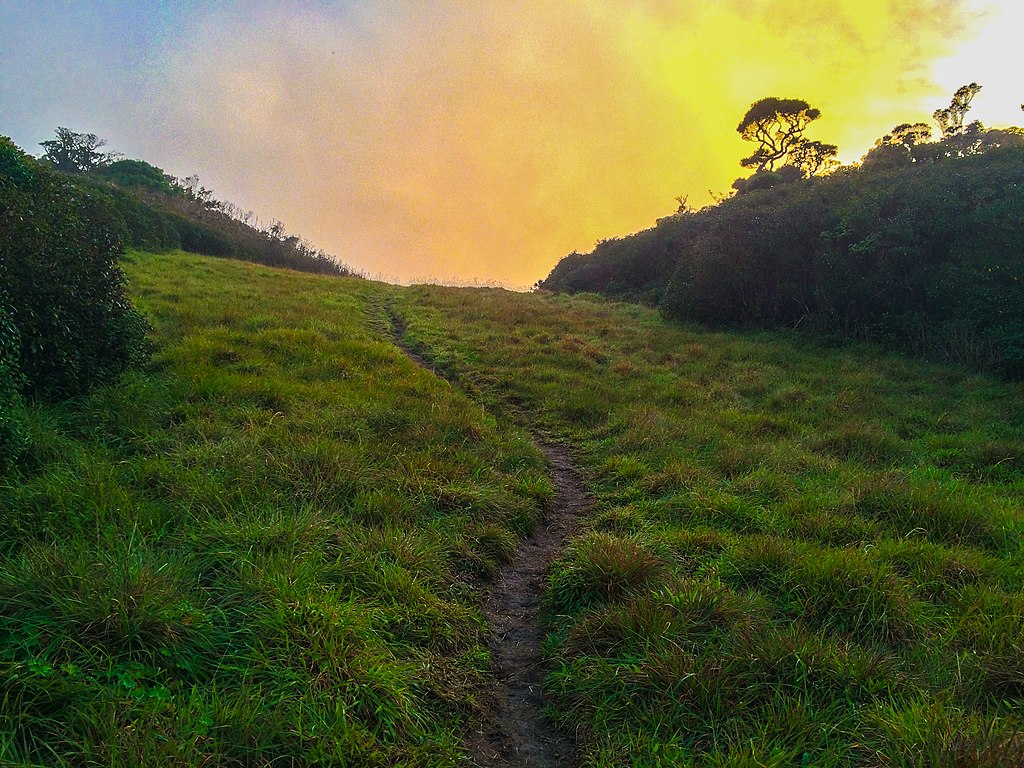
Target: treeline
<point>919,247</point>
<point>160,212</point>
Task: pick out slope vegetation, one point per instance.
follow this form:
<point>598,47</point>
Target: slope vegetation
<point>799,555</point>
<point>922,256</point>
<point>264,549</point>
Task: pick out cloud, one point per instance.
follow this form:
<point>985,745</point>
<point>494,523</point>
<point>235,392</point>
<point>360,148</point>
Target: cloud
<point>488,139</point>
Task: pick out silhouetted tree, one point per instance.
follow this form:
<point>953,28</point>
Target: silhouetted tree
<point>766,179</point>
<point>777,126</point>
<point>76,152</point>
<point>814,158</point>
<point>898,146</point>
<point>908,135</point>
<point>951,119</point>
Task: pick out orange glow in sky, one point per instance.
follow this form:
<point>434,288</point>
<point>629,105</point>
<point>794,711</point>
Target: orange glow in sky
<point>486,139</point>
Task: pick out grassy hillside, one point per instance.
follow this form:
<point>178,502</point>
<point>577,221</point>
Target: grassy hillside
<point>263,551</point>
<point>268,548</point>
<point>801,556</point>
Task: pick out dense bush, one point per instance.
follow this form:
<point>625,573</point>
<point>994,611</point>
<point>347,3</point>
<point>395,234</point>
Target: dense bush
<point>925,256</point>
<point>11,436</point>
<point>633,267</point>
<point>135,174</point>
<point>69,324</point>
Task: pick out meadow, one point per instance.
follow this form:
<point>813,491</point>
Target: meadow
<point>800,555</point>
<point>268,547</point>
<point>264,550</point>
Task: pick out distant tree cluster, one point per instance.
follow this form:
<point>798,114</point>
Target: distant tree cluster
<point>160,212</point>
<point>908,144</point>
<point>784,154</point>
<point>920,246</point>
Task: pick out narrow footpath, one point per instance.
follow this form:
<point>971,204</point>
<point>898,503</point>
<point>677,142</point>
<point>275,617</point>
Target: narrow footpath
<point>514,733</point>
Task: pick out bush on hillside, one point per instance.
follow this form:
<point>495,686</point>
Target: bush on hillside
<point>135,174</point>
<point>158,212</point>
<point>11,406</point>
<point>59,246</point>
<point>926,256</point>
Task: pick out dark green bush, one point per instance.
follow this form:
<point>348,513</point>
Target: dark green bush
<point>924,256</point>
<point>11,407</point>
<point>59,246</point>
<point>135,174</point>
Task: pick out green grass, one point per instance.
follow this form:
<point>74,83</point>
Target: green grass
<point>799,556</point>
<point>264,550</point>
<point>268,548</point>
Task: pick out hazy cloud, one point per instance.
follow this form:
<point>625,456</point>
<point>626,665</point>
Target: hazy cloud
<point>487,139</point>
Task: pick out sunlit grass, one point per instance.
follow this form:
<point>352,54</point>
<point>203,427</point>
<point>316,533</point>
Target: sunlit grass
<point>264,550</point>
<point>800,555</point>
<point>268,548</point>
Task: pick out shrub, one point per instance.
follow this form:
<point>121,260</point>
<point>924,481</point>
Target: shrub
<point>923,257</point>
<point>11,434</point>
<point>67,304</point>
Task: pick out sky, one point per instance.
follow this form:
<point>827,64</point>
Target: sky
<point>482,140</point>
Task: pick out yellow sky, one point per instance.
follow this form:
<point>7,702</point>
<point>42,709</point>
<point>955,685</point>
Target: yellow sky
<point>486,139</point>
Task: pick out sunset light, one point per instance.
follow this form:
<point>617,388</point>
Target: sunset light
<point>512,383</point>
<point>486,140</point>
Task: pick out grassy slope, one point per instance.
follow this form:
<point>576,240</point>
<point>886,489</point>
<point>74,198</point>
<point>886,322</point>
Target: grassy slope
<point>801,556</point>
<point>263,551</point>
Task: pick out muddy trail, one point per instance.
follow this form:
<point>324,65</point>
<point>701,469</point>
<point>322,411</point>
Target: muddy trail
<point>513,731</point>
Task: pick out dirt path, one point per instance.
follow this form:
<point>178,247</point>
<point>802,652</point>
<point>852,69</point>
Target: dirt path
<point>515,733</point>
<point>518,735</point>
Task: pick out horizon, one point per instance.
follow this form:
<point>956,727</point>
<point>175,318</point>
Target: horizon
<point>483,143</point>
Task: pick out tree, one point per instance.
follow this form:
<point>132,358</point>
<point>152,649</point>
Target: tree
<point>898,146</point>
<point>137,174</point>
<point>814,158</point>
<point>907,135</point>
<point>61,287</point>
<point>76,152</point>
<point>777,126</point>
<point>951,119</point>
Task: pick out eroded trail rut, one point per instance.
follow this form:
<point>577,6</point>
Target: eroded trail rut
<point>518,735</point>
<point>514,732</point>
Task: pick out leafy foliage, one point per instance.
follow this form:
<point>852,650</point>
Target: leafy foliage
<point>951,118</point>
<point>777,126</point>
<point>920,250</point>
<point>11,406</point>
<point>73,152</point>
<point>66,309</point>
<point>136,174</point>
